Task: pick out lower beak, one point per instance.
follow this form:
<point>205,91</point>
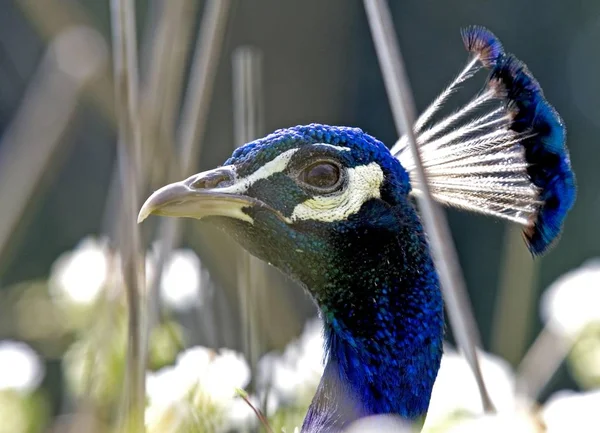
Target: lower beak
<point>186,199</point>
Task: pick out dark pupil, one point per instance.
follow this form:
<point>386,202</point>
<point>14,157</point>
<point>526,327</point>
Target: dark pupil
<point>322,175</point>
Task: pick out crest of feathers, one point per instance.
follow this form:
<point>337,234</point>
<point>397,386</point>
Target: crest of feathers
<point>503,153</point>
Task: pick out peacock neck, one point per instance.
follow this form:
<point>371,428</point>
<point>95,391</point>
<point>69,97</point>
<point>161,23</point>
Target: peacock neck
<point>383,318</point>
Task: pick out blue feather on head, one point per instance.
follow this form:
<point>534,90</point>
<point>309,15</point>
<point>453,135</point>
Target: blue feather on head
<point>483,44</point>
<point>545,148</point>
<point>511,162</point>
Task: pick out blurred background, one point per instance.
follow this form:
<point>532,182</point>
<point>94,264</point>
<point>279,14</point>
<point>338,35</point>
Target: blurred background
<point>62,314</point>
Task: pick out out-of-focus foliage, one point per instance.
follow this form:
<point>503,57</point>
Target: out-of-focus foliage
<point>569,305</point>
<point>584,358</point>
<point>195,388</point>
<point>22,407</point>
<point>569,411</point>
<point>198,393</point>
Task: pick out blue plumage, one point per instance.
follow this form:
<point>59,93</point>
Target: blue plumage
<point>545,150</point>
<point>484,44</point>
<point>332,208</point>
<point>510,162</point>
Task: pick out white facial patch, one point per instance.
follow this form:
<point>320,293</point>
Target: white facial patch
<point>364,183</point>
<point>277,165</point>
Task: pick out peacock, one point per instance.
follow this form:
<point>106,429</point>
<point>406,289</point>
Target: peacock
<point>333,208</point>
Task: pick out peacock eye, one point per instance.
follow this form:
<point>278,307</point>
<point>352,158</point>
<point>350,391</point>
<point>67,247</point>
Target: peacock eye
<point>323,176</point>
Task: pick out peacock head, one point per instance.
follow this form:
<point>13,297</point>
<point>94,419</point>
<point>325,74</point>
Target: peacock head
<point>332,208</point>
<point>298,197</point>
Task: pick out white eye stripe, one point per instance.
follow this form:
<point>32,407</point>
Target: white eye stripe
<point>364,183</point>
<point>277,165</point>
<point>343,149</point>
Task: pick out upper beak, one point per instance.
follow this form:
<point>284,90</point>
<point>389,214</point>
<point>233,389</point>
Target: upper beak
<point>204,194</point>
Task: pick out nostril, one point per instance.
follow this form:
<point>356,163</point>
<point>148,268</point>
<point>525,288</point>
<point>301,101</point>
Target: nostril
<point>215,179</point>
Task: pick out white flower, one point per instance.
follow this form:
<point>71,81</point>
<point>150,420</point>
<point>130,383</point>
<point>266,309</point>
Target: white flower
<point>567,412</point>
<point>312,350</point>
<point>79,276</point>
<point>199,389</point>
<point>280,377</point>
<point>295,375</point>
<point>504,422</point>
<point>181,280</point>
<point>379,424</point>
<point>168,386</point>
<point>455,388</point>
<point>21,368</point>
<point>226,373</point>
<point>240,416</point>
<point>573,301</point>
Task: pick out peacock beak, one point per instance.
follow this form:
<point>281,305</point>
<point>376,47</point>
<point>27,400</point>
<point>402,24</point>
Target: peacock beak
<point>211,193</point>
<point>215,192</point>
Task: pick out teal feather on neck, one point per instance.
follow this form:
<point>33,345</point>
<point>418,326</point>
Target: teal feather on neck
<point>383,319</point>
